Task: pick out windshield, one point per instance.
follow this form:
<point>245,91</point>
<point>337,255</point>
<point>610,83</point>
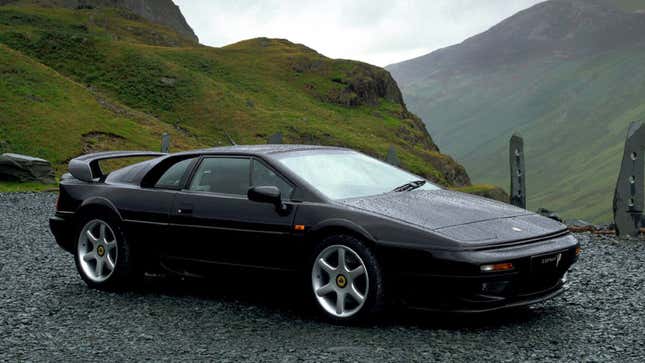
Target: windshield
<point>342,174</point>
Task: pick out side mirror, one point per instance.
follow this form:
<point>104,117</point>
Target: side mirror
<point>266,194</point>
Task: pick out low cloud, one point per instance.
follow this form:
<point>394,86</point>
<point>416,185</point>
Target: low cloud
<point>375,31</point>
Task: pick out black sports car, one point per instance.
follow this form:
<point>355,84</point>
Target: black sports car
<point>356,227</point>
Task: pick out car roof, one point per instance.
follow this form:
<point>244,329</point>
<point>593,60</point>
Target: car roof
<point>262,149</point>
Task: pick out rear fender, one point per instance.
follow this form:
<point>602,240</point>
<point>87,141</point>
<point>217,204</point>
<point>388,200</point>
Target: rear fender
<point>97,204</point>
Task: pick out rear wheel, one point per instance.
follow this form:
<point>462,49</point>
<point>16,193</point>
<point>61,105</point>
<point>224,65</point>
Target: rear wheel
<point>103,255</point>
<point>346,279</point>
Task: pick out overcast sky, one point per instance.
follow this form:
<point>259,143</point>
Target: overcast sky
<point>374,31</point>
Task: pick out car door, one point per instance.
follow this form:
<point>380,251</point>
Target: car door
<point>146,209</point>
<point>213,221</point>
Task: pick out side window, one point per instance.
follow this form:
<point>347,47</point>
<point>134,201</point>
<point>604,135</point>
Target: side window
<point>263,176</point>
<point>173,176</point>
<point>222,175</point>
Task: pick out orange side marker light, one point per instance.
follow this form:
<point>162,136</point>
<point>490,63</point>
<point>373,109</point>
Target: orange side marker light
<point>299,227</point>
<point>507,266</point>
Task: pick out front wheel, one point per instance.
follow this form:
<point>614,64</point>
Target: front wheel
<point>346,279</point>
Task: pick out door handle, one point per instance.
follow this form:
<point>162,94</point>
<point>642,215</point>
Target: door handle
<point>184,211</point>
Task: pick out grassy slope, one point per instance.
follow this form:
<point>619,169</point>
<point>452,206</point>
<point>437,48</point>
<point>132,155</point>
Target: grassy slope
<point>573,115</point>
<point>630,5</point>
<point>32,95</point>
<point>56,65</point>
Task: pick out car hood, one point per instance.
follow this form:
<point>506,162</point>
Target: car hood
<point>462,217</point>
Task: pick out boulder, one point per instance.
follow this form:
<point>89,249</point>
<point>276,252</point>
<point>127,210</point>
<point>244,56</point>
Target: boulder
<point>579,223</point>
<point>550,214</point>
<point>606,227</point>
<point>23,168</point>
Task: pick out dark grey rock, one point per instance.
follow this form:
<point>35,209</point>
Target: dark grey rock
<point>168,81</point>
<point>606,227</point>
<point>579,223</point>
<point>549,214</point>
<point>275,138</point>
<point>23,168</point>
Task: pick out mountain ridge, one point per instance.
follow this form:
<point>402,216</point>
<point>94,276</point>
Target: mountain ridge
<point>163,12</point>
<point>551,28</point>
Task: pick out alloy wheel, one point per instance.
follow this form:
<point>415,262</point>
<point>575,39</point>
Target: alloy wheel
<point>97,250</point>
<point>340,281</point>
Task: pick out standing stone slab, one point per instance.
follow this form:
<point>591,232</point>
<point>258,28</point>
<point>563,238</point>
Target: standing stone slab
<point>518,181</point>
<point>23,168</point>
<point>165,143</point>
<point>275,138</point>
<point>628,195</point>
<point>392,158</point>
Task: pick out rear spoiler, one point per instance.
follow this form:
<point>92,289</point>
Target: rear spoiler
<point>87,168</point>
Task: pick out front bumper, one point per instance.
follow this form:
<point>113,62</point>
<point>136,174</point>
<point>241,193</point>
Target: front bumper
<point>466,301</point>
<point>62,227</point>
<point>456,284</point>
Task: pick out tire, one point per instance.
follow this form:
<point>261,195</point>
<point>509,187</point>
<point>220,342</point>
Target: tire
<point>100,241</point>
<point>359,281</point>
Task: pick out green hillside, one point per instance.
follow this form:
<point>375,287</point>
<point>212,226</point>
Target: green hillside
<point>573,117</point>
<point>73,81</point>
<point>631,5</point>
<point>572,99</point>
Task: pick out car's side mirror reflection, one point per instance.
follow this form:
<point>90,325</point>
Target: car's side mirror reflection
<point>266,194</point>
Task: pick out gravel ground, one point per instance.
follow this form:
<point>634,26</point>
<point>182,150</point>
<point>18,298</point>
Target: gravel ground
<point>47,313</point>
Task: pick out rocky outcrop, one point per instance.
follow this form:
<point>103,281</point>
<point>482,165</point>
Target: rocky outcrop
<point>23,168</point>
<point>358,85</point>
<point>163,12</point>
<point>365,85</point>
<point>453,173</point>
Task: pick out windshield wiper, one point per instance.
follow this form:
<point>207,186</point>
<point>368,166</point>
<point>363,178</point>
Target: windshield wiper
<point>410,186</point>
